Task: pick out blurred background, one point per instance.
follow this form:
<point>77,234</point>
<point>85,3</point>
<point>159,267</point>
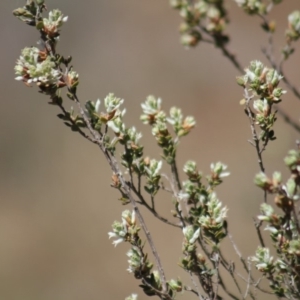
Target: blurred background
<point>56,204</point>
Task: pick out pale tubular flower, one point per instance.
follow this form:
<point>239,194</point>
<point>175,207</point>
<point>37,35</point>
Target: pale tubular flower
<point>120,230</point>
<point>216,212</point>
<point>215,209</point>
<point>115,235</point>
<point>159,127</point>
<point>132,297</point>
<point>190,167</point>
<point>262,106</point>
<point>240,2</point>
<point>97,106</point>
<point>153,168</point>
<point>112,103</point>
<point>290,188</point>
<point>54,20</point>
<point>267,211</point>
<point>135,259</point>
<point>255,69</point>
<point>134,135</point>
<point>129,218</point>
<point>175,116</point>
<point>191,234</point>
<point>29,68</point>
<point>294,21</point>
<point>189,121</point>
<point>151,106</point>
<point>219,169</point>
<point>263,259</point>
<point>116,125</point>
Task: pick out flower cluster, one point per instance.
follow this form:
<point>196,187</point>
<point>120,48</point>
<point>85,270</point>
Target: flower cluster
<point>256,6</point>
<point>201,17</point>
<point>218,171</point>
<point>293,31</point>
<point>50,26</point>
<point>194,262</point>
<point>157,118</point>
<point>35,66</point>
<point>132,158</point>
<point>139,264</point>
<point>132,297</point>
<point>125,231</point>
<point>280,271</point>
<point>152,171</point>
<point>43,66</point>
<point>31,15</point>
<point>263,83</point>
<point>113,118</point>
<point>206,210</point>
<point>213,220</point>
<point>283,228</point>
<point>285,194</point>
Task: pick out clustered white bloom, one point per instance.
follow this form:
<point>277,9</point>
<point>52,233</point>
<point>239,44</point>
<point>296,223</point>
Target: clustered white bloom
<point>191,233</point>
<point>132,297</point>
<point>30,68</point>
<point>219,169</point>
<point>54,21</point>
<point>120,230</point>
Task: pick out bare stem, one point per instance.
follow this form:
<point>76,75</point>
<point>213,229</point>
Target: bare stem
<point>151,209</point>
<point>81,132</point>
<point>196,286</point>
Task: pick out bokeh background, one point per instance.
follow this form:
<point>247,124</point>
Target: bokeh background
<point>56,205</point>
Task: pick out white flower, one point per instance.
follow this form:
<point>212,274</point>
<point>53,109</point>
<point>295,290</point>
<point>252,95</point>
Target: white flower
<point>115,242</point>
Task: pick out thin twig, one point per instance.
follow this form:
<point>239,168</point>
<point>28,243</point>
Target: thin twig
<point>81,132</point>
<point>243,261</point>
<point>196,286</point>
<point>257,225</point>
<point>152,203</point>
<point>217,264</point>
<point>229,268</point>
<point>176,174</point>
<point>249,280</point>
<point>153,211</point>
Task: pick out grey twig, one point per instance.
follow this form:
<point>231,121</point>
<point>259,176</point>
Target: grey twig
<point>249,280</point>
<point>257,225</point>
<point>81,132</point>
<point>151,209</point>
<point>196,286</point>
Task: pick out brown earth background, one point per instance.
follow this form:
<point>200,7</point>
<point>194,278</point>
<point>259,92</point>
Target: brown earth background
<point>56,205</point>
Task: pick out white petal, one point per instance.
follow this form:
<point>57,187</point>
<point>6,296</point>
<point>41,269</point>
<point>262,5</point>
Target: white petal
<point>111,234</point>
<point>116,242</point>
